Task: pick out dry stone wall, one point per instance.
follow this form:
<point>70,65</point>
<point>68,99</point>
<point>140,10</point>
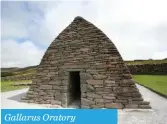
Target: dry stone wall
<point>157,69</point>
<point>105,79</point>
<point>153,69</point>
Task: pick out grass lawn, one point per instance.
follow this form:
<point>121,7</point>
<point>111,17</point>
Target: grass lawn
<point>157,83</point>
<point>7,85</point>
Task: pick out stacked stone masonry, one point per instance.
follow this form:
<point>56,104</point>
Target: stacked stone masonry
<point>157,69</point>
<point>153,69</point>
<point>105,79</point>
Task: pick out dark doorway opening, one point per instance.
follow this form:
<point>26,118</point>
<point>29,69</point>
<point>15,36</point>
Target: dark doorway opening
<point>75,89</point>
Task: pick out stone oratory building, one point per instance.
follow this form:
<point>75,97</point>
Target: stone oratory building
<point>82,64</point>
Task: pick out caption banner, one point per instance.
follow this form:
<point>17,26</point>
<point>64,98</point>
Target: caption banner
<point>59,116</point>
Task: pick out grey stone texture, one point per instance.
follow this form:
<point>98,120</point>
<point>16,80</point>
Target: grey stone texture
<point>105,79</point>
<point>159,68</point>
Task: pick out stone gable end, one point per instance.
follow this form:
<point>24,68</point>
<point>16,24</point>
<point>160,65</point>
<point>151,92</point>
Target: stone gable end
<point>84,51</point>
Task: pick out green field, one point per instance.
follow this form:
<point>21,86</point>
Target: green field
<point>7,85</point>
<point>157,83</point>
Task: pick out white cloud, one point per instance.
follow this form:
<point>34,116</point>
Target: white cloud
<point>143,11</point>
<point>12,29</point>
<point>160,55</point>
<point>20,54</point>
<point>59,17</point>
<point>137,27</point>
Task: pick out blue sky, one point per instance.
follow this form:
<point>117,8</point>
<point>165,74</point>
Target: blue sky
<point>137,27</point>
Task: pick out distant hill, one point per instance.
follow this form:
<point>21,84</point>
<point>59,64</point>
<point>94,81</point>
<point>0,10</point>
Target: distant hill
<point>9,69</point>
<point>17,71</point>
<point>150,61</point>
<point>31,69</point>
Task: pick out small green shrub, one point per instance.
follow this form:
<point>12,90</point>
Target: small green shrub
<point>4,74</point>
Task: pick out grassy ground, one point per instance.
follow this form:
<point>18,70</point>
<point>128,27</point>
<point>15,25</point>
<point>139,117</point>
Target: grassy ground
<point>157,83</point>
<point>7,85</point>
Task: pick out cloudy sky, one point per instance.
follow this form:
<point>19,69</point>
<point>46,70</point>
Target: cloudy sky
<point>137,27</point>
